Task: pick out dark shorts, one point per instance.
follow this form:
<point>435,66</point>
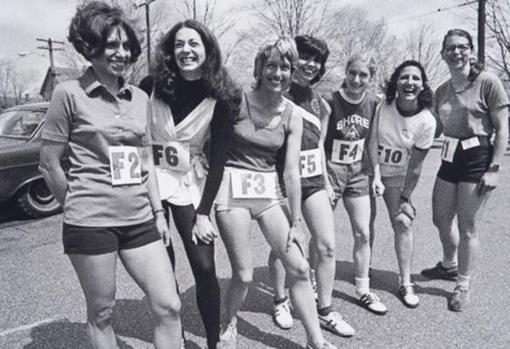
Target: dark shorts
<point>100,240</point>
<point>348,180</point>
<point>468,165</point>
<point>311,185</point>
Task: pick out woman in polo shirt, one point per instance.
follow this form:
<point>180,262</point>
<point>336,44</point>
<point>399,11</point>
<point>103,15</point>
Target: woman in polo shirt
<point>193,99</point>
<point>401,137</point>
<point>471,107</point>
<point>110,196</point>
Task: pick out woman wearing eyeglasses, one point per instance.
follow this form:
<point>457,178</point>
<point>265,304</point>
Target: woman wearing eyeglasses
<point>472,107</point>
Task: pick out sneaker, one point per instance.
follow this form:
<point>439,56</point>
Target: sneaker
<point>334,323</point>
<point>228,337</point>
<point>371,302</point>
<point>460,299</point>
<point>325,345</point>
<point>282,316</point>
<point>408,296</point>
<point>440,272</point>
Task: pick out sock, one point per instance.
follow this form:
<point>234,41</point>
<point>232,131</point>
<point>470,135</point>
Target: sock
<point>324,311</point>
<point>463,281</point>
<point>449,263</point>
<point>278,301</point>
<point>362,286</point>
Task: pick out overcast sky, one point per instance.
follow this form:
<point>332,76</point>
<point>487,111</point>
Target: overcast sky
<point>22,21</point>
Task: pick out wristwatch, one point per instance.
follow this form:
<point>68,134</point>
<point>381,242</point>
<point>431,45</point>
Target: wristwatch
<point>493,168</point>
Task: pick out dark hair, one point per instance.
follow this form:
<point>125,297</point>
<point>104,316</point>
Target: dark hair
<point>218,83</point>
<point>315,47</point>
<point>425,96</point>
<point>475,67</point>
<point>91,25</point>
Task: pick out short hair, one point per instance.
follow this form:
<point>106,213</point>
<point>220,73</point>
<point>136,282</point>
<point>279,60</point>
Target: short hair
<point>364,58</point>
<point>283,47</point>
<point>316,47</point>
<point>91,25</point>
<point>475,67</point>
<point>424,98</point>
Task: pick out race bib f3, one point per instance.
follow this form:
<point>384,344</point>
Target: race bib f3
<point>248,184</point>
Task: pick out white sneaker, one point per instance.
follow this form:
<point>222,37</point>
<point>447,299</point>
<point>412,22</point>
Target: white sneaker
<point>408,296</point>
<point>371,302</point>
<point>228,337</point>
<point>325,345</point>
<point>334,323</point>
<point>282,316</point>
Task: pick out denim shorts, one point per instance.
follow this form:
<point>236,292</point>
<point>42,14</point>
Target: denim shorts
<point>348,180</point>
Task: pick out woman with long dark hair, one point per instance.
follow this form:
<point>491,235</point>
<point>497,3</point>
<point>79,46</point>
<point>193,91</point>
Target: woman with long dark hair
<point>471,107</point>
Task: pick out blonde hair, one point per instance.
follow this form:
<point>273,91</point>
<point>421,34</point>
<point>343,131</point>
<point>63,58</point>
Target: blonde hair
<point>364,58</point>
<point>283,47</point>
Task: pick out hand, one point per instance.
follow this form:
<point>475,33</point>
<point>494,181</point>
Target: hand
<point>297,236</point>
<point>331,193</point>
<point>162,227</point>
<point>377,187</point>
<point>488,182</point>
<point>406,208</point>
<point>203,230</point>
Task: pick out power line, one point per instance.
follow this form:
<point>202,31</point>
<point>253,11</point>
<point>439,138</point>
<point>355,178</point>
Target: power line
<point>442,9</point>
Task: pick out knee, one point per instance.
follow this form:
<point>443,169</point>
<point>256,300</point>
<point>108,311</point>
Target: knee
<point>361,237</point>
<point>100,314</point>
<point>300,271</point>
<point>325,250</point>
<point>243,277</point>
<point>170,307</point>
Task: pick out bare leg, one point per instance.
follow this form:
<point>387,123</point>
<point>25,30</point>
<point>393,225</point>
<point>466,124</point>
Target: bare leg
<point>444,209</point>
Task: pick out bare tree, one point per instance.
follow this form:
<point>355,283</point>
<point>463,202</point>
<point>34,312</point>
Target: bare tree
<point>6,73</point>
<point>498,25</point>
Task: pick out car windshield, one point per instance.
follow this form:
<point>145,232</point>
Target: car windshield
<point>19,123</point>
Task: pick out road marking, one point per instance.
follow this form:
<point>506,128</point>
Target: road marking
<point>28,327</point>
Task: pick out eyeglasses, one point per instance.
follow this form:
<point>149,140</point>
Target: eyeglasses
<point>461,48</point>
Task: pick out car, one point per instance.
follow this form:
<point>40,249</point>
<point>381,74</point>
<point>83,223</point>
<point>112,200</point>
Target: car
<point>20,179</point>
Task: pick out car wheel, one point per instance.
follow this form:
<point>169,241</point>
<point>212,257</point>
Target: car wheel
<point>36,200</point>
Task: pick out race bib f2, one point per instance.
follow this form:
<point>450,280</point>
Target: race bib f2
<point>310,164</point>
<point>125,165</point>
<point>173,156</point>
<point>347,152</point>
<point>248,184</point>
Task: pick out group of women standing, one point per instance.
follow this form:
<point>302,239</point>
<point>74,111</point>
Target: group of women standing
<point>274,153</point>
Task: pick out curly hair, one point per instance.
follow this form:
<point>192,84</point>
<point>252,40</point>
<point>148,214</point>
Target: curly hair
<point>91,25</point>
<point>475,67</point>
<point>309,45</point>
<point>425,97</point>
<point>283,47</point>
<point>217,80</point>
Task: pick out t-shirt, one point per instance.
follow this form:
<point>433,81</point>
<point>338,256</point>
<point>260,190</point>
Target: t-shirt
<point>106,182</point>
<point>398,135</point>
<point>466,113</point>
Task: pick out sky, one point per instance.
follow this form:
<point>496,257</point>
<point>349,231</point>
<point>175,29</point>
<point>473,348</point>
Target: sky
<point>22,21</point>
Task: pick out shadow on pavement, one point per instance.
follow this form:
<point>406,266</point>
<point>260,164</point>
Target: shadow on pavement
<point>63,335</point>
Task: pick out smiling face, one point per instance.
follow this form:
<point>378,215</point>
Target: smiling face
<point>276,74</point>
<point>357,79</point>
<point>307,68</point>
<point>409,84</point>
<point>189,53</point>
<point>115,59</point>
<point>456,52</point>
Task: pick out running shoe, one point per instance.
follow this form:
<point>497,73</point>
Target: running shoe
<point>325,345</point>
<point>228,337</point>
<point>440,272</point>
<point>282,316</point>
<point>371,302</point>
<point>460,299</point>
<point>408,296</point>
<point>334,323</point>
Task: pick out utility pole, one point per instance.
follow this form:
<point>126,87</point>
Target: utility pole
<point>481,31</point>
<point>146,4</point>
<point>50,48</point>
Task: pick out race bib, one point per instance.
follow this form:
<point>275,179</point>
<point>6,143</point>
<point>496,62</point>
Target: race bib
<point>470,143</point>
<point>125,165</point>
<point>391,156</point>
<point>173,156</point>
<point>448,149</point>
<point>248,184</point>
<point>347,152</point>
<point>310,164</point>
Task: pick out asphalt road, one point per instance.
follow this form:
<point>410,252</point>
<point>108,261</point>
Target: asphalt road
<point>42,306</point>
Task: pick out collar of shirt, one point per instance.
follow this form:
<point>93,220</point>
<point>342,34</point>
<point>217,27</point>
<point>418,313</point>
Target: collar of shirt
<point>91,84</point>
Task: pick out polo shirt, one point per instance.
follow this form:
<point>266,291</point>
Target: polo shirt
<point>90,120</point>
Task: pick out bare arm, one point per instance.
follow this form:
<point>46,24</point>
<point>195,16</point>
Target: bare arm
<point>413,171</point>
<point>51,168</point>
<point>291,169</point>
<point>322,140</point>
<point>373,154</point>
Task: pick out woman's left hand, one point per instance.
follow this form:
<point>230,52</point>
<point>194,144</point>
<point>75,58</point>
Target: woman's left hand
<point>162,227</point>
<point>203,230</point>
<point>488,182</point>
<point>296,235</point>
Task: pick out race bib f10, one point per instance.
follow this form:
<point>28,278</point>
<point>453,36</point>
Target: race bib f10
<point>248,184</point>
<point>125,165</point>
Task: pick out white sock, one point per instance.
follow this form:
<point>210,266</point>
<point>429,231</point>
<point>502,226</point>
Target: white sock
<point>362,286</point>
<point>463,281</point>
